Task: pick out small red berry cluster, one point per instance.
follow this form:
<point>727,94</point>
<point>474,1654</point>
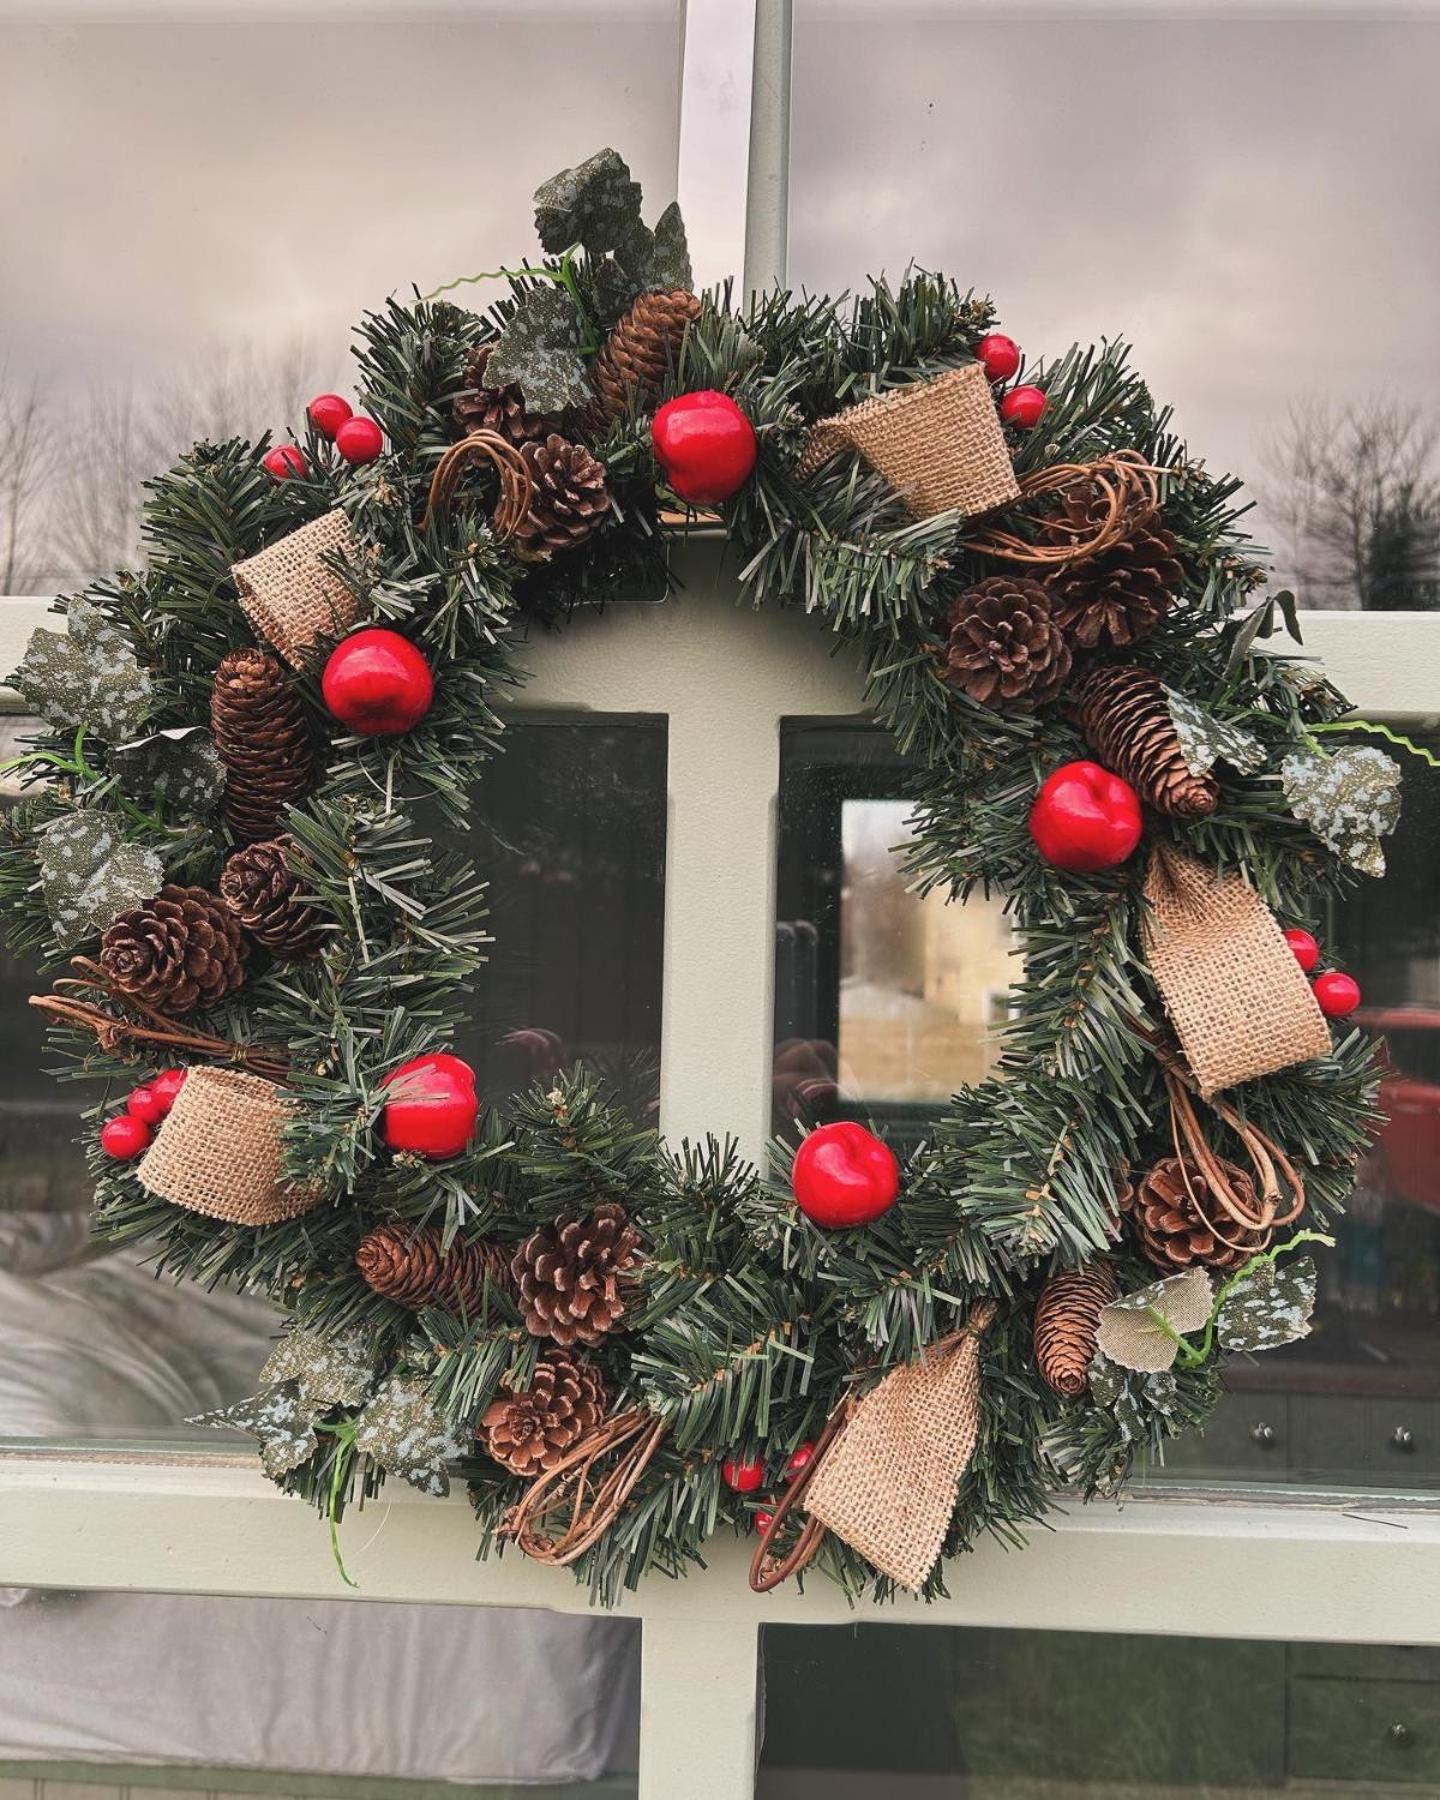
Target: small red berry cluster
<point>130,1132</point>
<point>357,437</point>
<point>747,1476</point>
<point>1336,993</point>
<point>1023,406</point>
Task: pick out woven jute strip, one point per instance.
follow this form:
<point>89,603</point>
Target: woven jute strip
<point>1238,999</point>
<point>938,443</point>
<point>220,1152</point>
<point>887,1486</point>
<point>289,595</point>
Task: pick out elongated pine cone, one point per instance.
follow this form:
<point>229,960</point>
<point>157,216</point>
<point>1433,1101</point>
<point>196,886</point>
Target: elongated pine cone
<point>640,352</point>
<point>569,1274</point>
<point>410,1265</point>
<point>479,407</point>
<point>1066,1316</point>
<point>181,950</point>
<point>1113,599</point>
<point>1004,648</point>
<point>259,888</point>
<point>1127,722</point>
<point>1175,1233</point>
<point>571,497</point>
<point>263,740</point>
<point>529,1432</point>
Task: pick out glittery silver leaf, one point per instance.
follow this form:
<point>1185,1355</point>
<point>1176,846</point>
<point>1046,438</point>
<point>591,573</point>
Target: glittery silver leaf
<point>1206,740</point>
<point>86,676</point>
<point>1128,1398</point>
<point>181,766</point>
<point>1270,1306</point>
<point>597,204</point>
<point>278,1418</point>
<point>403,1432</point>
<point>328,1372</point>
<point>88,873</point>
<point>1350,800</point>
<point>670,263</point>
<point>539,351</point>
<point>1130,1334</point>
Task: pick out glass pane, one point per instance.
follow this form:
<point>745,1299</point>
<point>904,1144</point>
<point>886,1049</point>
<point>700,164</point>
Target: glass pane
<point>1194,184</point>
<point>197,209</point>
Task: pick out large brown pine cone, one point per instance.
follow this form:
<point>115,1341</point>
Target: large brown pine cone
<point>571,497</point>
<point>1175,1233</point>
<point>500,409</point>
<point>1004,648</point>
<point>569,1274</point>
<point>529,1432</point>
<point>263,740</point>
<point>260,890</point>
<point>178,951</point>
<point>1066,1316</point>
<point>410,1265</point>
<point>640,352</point>
<point>1119,596</point>
<point>1124,716</point>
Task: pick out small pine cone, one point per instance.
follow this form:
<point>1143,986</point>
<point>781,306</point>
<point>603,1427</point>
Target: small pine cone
<point>640,352</point>
<point>529,1432</point>
<point>181,950</point>
<point>1175,1233</point>
<point>571,497</point>
<point>569,1274</point>
<point>499,409</point>
<point>1066,1316</point>
<point>410,1265</point>
<point>260,890</point>
<point>1113,599</point>
<point>1125,719</point>
<point>1004,648</point>
<point>263,740</point>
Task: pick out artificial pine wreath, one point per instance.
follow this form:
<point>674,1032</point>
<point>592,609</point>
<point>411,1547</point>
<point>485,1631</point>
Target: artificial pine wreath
<point>622,1347</point>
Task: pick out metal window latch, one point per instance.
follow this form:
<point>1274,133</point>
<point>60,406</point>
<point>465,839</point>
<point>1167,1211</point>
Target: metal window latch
<point>1265,1436</point>
<point>1402,1438</point>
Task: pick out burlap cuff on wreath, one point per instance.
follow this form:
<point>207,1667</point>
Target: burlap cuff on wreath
<point>219,1152</point>
<point>290,596</point>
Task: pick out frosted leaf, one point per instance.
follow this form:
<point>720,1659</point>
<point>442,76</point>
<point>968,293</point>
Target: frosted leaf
<point>87,676</point>
<point>1127,1399</point>
<point>89,873</point>
<point>670,263</point>
<point>1270,1306</point>
<point>539,351</point>
<point>329,1372</point>
<point>402,1431</point>
<point>1349,800</point>
<point>181,766</point>
<point>1206,740</point>
<point>1130,1334</point>
<point>278,1419</point>
<point>597,204</point>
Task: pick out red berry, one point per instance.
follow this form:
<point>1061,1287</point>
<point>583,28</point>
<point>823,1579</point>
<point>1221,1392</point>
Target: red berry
<point>800,1459</point>
<point>763,1521</point>
<point>1023,406</point>
<point>1085,819</point>
<point>1307,951</point>
<point>146,1105</point>
<point>166,1086</point>
<point>705,445</point>
<point>359,440</point>
<point>328,412</point>
<point>999,354</point>
<point>1337,994</point>
<point>124,1136</point>
<point>377,683</point>
<point>432,1106</point>
<point>843,1175</point>
<point>285,460</point>
<point>743,1477</point>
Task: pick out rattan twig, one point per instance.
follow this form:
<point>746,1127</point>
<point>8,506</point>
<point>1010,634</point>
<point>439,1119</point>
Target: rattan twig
<point>571,1488</point>
<point>517,489</point>
<point>1131,489</point>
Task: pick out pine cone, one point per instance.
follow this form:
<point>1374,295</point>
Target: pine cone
<point>1124,716</point>
<point>1119,596</point>
<point>1066,1315</point>
<point>408,1264</point>
<point>498,409</point>
<point>263,740</point>
<point>176,952</point>
<point>571,498</point>
<point>1004,648</point>
<point>569,1274</point>
<point>529,1432</point>
<point>640,352</point>
<point>1175,1234</point>
<point>260,890</point>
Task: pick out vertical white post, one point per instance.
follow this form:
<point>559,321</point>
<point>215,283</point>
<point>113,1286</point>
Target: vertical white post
<point>699,1679</point>
<point>713,176</point>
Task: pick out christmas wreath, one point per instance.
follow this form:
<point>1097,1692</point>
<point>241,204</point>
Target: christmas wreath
<point>622,1347</point>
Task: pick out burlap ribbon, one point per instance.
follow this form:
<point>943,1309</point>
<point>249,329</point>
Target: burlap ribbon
<point>938,443</point>
<point>290,596</point>
<point>220,1151</point>
<point>1238,999</point>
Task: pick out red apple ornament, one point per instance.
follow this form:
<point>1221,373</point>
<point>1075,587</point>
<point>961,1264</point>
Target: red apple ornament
<point>705,445</point>
<point>124,1137</point>
<point>285,460</point>
<point>999,355</point>
<point>1023,406</point>
<point>1336,994</point>
<point>844,1175</point>
<point>1085,819</point>
<point>1307,951</point>
<point>359,440</point>
<point>377,683</point>
<point>432,1106</point>
<point>328,412</point>
<point>745,1477</point>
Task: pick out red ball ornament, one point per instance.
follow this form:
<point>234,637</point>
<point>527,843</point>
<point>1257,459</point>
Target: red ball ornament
<point>799,1459</point>
<point>328,412</point>
<point>166,1086</point>
<point>1336,994</point>
<point>146,1105</point>
<point>1023,406</point>
<point>763,1521</point>
<point>843,1175</point>
<point>1000,355</point>
<point>432,1106</point>
<point>377,683</point>
<point>359,440</point>
<point>124,1136</point>
<point>705,445</point>
<point>1085,819</point>
<point>743,1476</point>
<point>285,460</point>
<point>1307,951</point>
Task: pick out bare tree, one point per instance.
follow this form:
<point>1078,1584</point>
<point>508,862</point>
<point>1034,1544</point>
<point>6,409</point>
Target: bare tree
<point>27,454</point>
